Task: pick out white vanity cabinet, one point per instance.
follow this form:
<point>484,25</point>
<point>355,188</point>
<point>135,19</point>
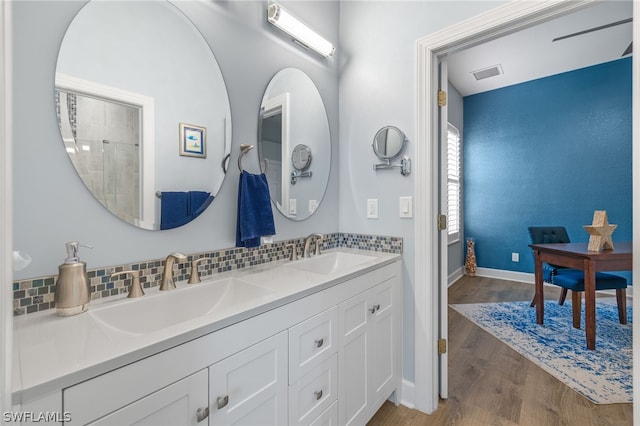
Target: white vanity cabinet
<point>369,355</point>
<point>250,387</point>
<point>326,357</point>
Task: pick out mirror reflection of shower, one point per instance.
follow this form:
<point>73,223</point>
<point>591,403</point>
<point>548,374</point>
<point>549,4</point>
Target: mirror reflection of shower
<point>102,138</point>
<point>272,152</point>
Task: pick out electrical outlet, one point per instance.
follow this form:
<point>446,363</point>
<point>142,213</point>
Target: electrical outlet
<point>372,208</point>
<point>515,257</point>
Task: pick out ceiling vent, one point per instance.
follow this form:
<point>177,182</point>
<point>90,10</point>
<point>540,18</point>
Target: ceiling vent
<point>487,72</point>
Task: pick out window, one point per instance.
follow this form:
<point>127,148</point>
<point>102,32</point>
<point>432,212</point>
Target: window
<point>453,184</point>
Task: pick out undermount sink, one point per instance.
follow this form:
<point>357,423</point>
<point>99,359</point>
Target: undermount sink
<point>330,263</point>
<point>167,308</point>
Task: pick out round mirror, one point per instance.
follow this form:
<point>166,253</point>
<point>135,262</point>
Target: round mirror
<point>143,111</point>
<point>301,157</point>
<point>388,142</point>
<point>294,124</point>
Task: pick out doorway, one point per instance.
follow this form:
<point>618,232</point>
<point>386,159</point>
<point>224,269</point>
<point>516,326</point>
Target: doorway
<point>430,308</point>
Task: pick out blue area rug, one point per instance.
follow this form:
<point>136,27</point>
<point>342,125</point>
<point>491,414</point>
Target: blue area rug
<point>604,375</point>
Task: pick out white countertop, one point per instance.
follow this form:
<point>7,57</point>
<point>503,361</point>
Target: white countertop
<point>51,352</point>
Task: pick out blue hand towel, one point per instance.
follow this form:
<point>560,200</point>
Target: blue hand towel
<point>255,217</point>
<point>198,202</point>
<point>174,209</point>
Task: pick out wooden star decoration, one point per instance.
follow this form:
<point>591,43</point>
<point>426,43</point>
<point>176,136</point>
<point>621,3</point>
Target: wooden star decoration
<point>600,232</point>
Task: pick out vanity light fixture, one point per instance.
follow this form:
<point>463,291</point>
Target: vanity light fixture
<point>298,30</point>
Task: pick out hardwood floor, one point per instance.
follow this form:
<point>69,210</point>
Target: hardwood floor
<point>491,384</point>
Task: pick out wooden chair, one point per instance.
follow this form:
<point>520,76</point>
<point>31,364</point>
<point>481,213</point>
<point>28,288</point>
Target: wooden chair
<point>573,279</point>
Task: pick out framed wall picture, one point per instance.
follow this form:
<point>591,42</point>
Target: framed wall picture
<point>193,141</point>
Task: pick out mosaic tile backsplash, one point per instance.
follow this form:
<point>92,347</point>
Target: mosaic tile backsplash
<point>36,294</point>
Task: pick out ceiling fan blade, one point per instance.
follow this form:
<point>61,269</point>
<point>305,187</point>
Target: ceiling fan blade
<point>601,27</point>
<point>629,50</point>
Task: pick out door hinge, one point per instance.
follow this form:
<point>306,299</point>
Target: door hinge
<point>442,98</point>
<point>442,222</point>
<point>442,346</point>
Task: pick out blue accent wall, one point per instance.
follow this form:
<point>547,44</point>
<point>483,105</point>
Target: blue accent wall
<point>547,152</point>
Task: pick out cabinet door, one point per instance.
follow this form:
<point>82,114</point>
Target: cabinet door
<point>353,360</point>
<point>177,404</point>
<point>382,343</point>
<point>367,350</point>
<point>250,387</point>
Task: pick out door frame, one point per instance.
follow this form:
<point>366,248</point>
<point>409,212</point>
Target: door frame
<point>443,234</point>
<point>502,20</point>
<point>6,212</point>
<point>281,104</point>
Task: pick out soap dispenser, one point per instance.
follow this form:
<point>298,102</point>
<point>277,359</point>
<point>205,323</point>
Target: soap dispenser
<point>73,293</point>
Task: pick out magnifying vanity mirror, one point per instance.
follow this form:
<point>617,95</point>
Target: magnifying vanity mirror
<point>143,111</point>
<point>301,157</point>
<point>388,143</point>
<point>300,160</point>
<point>293,130</point>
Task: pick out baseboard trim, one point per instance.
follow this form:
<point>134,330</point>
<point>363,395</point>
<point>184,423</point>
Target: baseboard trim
<point>525,277</point>
<point>408,398</point>
<point>455,276</point>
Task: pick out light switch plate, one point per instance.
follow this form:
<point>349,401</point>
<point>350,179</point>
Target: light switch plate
<point>406,207</point>
<point>293,206</point>
<point>313,205</point>
<point>372,208</point>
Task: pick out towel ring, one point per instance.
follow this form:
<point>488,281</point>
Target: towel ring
<point>244,148</point>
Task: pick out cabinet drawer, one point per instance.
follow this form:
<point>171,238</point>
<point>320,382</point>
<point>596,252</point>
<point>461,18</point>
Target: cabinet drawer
<point>313,393</point>
<point>329,417</point>
<point>177,404</point>
<point>311,342</point>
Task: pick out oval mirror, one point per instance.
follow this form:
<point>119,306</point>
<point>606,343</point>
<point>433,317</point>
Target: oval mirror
<point>294,124</point>
<point>388,142</point>
<point>301,157</point>
<point>143,111</point>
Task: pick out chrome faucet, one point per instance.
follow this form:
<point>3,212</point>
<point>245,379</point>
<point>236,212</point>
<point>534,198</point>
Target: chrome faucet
<point>317,238</point>
<point>167,275</point>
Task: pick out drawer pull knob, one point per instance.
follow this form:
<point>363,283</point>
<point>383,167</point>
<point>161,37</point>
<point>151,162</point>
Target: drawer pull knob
<point>374,308</point>
<point>319,343</point>
<point>222,401</point>
<point>202,414</point>
<point>318,394</point>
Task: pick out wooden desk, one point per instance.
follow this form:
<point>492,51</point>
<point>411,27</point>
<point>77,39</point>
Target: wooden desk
<point>576,256</point>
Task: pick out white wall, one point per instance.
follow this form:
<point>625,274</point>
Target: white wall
<point>377,88</point>
<point>52,206</point>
